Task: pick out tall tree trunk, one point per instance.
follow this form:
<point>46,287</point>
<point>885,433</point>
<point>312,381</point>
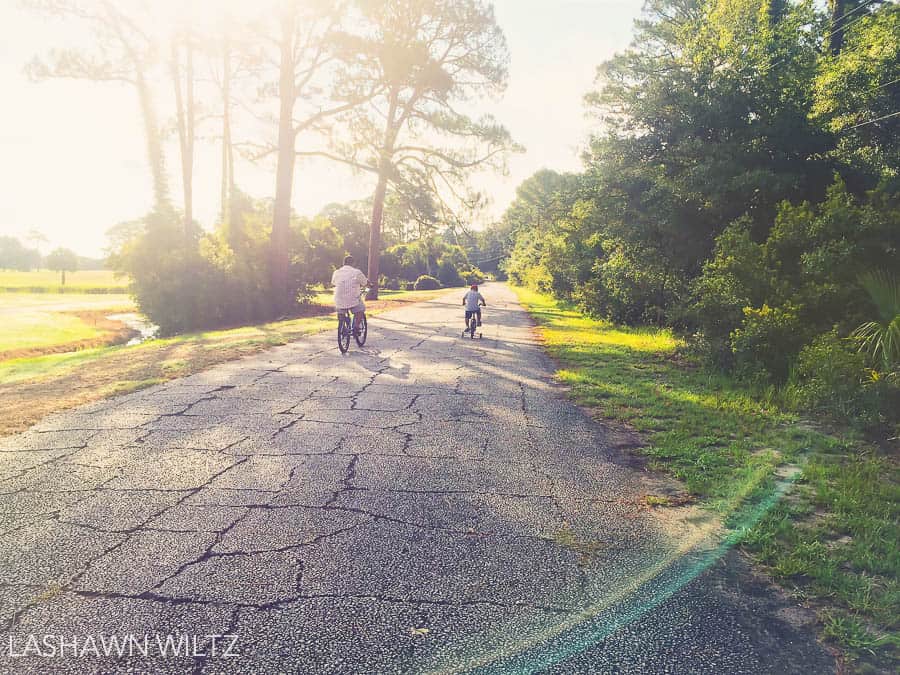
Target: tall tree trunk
<point>836,40</point>
<point>155,157</point>
<point>284,173</point>
<point>155,152</point>
<point>188,162</point>
<point>375,232</point>
<point>184,113</point>
<point>227,156</point>
<point>384,168</point>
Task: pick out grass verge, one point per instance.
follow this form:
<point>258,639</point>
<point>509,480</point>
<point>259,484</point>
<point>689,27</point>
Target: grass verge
<point>32,388</point>
<point>832,542</point>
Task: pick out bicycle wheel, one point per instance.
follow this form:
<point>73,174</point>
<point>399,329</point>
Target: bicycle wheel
<point>343,334</point>
<point>472,325</point>
<point>362,330</point>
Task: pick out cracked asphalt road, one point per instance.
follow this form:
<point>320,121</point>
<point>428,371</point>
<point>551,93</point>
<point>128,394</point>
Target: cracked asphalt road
<point>427,503</point>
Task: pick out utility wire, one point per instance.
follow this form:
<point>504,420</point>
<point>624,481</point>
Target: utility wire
<point>886,84</point>
<point>853,11</point>
<point>498,257</point>
<point>877,119</point>
<point>847,25</point>
<point>828,35</point>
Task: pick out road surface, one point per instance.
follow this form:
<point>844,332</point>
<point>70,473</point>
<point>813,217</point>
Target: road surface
<point>427,503</point>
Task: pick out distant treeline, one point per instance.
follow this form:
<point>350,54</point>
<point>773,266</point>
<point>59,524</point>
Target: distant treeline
<point>16,256</point>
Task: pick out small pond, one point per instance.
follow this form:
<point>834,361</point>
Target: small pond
<point>139,323</point>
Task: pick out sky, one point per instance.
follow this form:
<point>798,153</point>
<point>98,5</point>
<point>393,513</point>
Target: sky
<point>72,160</point>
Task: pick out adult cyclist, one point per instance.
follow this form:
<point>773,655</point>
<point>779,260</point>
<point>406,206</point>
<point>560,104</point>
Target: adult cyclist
<point>349,283</point>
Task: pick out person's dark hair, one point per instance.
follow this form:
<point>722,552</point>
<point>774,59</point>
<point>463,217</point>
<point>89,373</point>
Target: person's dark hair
<point>348,259</point>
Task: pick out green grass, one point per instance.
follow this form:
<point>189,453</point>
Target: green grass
<point>44,320</point>
<point>35,330</point>
<point>33,387</point>
<point>48,281</point>
<point>195,345</point>
<point>271,334</point>
<point>36,320</point>
<point>833,540</point>
<point>38,367</point>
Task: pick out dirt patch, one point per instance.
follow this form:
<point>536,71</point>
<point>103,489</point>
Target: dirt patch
<point>24,403</point>
<point>669,501</point>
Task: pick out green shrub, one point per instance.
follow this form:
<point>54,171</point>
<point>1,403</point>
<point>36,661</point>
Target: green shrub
<point>474,276</point>
<point>880,339</point>
<point>629,286</point>
<point>735,277</point>
<point>767,342</point>
<point>389,283</point>
<point>449,274</point>
<point>830,378</point>
<point>186,281</point>
<point>427,283</point>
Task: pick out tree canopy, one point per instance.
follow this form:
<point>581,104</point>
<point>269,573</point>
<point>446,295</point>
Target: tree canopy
<point>745,180</point>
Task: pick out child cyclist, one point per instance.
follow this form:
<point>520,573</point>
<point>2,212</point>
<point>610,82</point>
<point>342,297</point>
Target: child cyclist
<point>472,299</point>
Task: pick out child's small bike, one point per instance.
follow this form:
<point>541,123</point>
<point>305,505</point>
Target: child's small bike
<point>473,325</point>
<point>349,324</point>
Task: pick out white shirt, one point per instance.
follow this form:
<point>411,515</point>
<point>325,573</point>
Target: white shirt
<point>472,300</point>
<point>348,283</point>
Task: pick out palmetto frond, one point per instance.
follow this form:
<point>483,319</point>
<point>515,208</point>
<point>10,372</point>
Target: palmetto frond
<point>881,338</point>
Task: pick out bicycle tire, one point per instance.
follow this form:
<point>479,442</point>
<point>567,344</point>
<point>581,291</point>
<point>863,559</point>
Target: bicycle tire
<point>472,326</point>
<point>362,331</point>
<point>343,334</point>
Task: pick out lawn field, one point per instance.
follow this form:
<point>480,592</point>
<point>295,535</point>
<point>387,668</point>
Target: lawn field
<point>35,322</point>
<point>32,387</point>
<point>48,281</point>
<point>833,541</point>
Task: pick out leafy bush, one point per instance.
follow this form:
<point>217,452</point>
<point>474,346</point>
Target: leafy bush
<point>185,280</point>
<point>427,283</point>
<point>474,276</point>
<point>631,287</point>
<point>392,284</point>
<point>431,256</point>
<point>735,277</point>
<point>448,274</point>
<point>767,342</point>
<point>829,378</point>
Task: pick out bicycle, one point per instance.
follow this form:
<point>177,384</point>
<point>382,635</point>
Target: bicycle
<point>472,318</point>
<point>358,327</point>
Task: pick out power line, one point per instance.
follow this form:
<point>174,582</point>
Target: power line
<point>870,91</point>
<point>877,119</point>
<point>847,25</point>
<point>498,257</point>
<point>825,37</point>
<point>886,84</point>
<point>853,11</point>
